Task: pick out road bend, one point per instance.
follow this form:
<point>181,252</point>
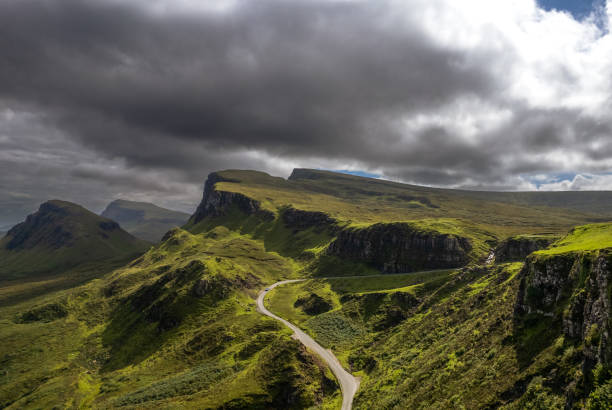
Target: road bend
<point>348,383</point>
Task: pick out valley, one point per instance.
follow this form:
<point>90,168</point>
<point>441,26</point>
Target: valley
<point>431,298</point>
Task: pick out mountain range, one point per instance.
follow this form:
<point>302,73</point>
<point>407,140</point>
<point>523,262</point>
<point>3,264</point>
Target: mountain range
<point>433,298</point>
<point>144,220</point>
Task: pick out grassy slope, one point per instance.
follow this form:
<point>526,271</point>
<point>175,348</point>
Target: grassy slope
<point>359,202</point>
<point>460,348</point>
<point>144,220</point>
<point>114,346</point>
<point>358,305</point>
<point>89,242</point>
<point>582,238</point>
<point>363,200</point>
<point>456,346</point>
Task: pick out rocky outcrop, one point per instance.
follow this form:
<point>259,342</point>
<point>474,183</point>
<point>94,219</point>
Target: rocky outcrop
<point>47,220</point>
<point>589,315</point>
<point>313,304</point>
<point>217,203</point>
<point>305,173</point>
<point>546,284</point>
<point>300,220</point>
<point>399,247</point>
<point>46,313</point>
<point>519,247</point>
<point>575,288</point>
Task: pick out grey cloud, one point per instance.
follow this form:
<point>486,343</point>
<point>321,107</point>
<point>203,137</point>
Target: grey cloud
<point>165,98</point>
<point>294,79</point>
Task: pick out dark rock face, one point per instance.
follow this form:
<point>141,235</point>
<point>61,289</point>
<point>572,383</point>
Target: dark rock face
<point>590,314</point>
<point>304,173</point>
<point>577,289</point>
<point>545,284</point>
<point>108,225</point>
<point>398,247</point>
<point>301,220</point>
<point>217,203</point>
<point>518,248</point>
<point>24,235</point>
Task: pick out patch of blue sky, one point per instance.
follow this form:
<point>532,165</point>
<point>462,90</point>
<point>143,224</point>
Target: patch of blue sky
<point>578,8</point>
<point>357,173</point>
<point>543,179</point>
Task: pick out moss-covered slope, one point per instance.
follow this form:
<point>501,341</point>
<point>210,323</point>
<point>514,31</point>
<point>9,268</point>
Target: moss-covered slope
<point>60,236</point>
<point>175,328</point>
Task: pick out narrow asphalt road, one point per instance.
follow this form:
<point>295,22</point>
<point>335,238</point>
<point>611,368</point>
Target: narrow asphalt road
<point>348,383</point>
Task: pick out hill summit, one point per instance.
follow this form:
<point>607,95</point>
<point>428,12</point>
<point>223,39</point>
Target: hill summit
<point>144,220</point>
<point>61,235</point>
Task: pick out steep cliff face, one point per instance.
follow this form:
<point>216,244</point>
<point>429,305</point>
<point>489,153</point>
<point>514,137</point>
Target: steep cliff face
<point>575,288</point>
<point>546,284</point>
<point>589,316</point>
<point>300,220</point>
<point>217,203</point>
<point>398,247</point>
<point>519,247</point>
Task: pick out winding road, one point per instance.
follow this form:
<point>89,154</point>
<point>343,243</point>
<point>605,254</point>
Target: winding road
<point>348,383</point>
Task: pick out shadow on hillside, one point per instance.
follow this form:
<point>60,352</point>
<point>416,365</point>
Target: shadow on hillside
<point>131,339</point>
<point>532,334</point>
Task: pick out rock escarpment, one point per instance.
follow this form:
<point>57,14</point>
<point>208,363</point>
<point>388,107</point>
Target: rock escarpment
<point>43,227</point>
<point>399,247</point>
<point>519,247</point>
<point>300,220</point>
<point>576,289</point>
<point>218,203</point>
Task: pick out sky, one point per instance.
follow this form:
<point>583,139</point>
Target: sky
<point>105,99</point>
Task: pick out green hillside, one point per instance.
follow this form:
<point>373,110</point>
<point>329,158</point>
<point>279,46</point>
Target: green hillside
<point>583,238</point>
<point>60,236</point>
<point>400,285</point>
<point>176,328</point>
<point>358,200</point>
<point>510,336</point>
<point>144,220</point>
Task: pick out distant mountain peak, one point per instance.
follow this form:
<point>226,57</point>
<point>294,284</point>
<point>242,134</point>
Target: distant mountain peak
<point>143,219</point>
<point>61,235</point>
<point>57,224</point>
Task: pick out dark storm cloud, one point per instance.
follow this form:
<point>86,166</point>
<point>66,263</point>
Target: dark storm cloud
<point>298,78</point>
<point>106,98</point>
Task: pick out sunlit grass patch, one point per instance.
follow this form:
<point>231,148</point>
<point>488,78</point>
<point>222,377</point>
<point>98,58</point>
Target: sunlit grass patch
<point>582,238</point>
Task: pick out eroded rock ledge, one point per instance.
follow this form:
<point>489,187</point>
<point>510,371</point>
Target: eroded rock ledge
<point>300,220</point>
<point>399,247</point>
<point>217,203</point>
<point>575,288</point>
<point>519,247</point>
